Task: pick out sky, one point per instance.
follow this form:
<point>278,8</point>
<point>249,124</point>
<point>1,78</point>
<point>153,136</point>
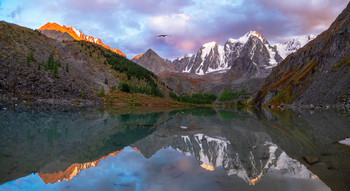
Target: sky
<point>167,169</point>
<point>132,25</point>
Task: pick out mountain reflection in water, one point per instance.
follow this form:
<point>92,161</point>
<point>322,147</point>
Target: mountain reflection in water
<point>203,148</point>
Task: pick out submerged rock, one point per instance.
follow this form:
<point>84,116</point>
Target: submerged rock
<point>311,159</point>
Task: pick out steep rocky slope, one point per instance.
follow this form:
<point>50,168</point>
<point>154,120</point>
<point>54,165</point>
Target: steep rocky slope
<point>23,78</point>
<point>58,32</point>
<point>153,62</point>
<point>318,73</point>
<point>35,67</point>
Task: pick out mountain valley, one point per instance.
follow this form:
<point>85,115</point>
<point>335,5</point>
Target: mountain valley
<point>82,67</point>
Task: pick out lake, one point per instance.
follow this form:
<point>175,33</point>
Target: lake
<point>190,149</point>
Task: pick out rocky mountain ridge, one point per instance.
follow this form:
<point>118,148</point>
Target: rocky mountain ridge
<point>214,66</point>
<point>58,32</point>
<point>153,62</point>
<point>317,74</point>
<point>212,57</point>
<point>215,58</point>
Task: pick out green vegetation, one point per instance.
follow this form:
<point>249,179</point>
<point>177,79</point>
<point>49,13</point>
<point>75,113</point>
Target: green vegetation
<point>67,68</point>
<point>173,95</point>
<point>102,92</point>
<point>298,79</point>
<point>149,90</point>
<point>344,62</point>
<point>137,79</point>
<point>227,95</point>
<point>83,93</point>
<point>55,71</point>
<point>30,58</point>
<point>196,98</point>
<point>52,65</point>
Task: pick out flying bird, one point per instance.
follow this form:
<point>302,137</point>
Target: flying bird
<point>163,35</point>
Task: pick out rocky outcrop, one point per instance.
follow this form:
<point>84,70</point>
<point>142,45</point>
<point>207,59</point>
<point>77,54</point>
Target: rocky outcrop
<point>316,74</point>
<point>153,62</point>
<point>58,35</point>
<point>58,32</point>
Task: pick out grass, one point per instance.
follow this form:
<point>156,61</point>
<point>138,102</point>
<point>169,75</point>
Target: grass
<point>196,98</point>
<point>130,100</point>
<point>227,95</point>
<point>344,62</point>
<point>292,84</point>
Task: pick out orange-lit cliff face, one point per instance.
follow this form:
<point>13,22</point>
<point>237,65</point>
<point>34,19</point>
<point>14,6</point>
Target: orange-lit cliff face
<point>73,170</point>
<point>77,35</point>
<point>254,33</point>
<point>208,167</point>
<point>138,56</point>
<point>254,181</point>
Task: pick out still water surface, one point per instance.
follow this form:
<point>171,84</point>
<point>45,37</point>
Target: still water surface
<point>192,149</point>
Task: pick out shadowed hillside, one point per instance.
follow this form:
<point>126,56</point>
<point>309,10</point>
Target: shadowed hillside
<point>35,67</point>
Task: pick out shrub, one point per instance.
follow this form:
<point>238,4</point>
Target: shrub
<point>30,58</point>
<point>50,62</point>
<point>124,87</point>
<point>149,90</point>
<point>173,95</point>
<point>83,93</point>
<point>102,92</point>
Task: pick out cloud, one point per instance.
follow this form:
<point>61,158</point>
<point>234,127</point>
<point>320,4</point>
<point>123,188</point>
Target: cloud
<point>131,25</point>
<point>152,7</point>
<point>275,19</point>
<point>308,16</point>
<point>174,24</point>
<point>15,13</point>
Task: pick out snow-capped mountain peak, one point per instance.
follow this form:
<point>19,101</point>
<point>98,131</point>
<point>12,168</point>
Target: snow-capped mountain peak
<point>209,45</point>
<point>244,39</point>
<point>187,56</point>
<point>210,53</point>
<point>207,48</point>
<point>292,45</point>
<point>213,57</point>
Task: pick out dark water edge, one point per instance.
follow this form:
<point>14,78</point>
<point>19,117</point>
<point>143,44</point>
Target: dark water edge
<point>46,140</point>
